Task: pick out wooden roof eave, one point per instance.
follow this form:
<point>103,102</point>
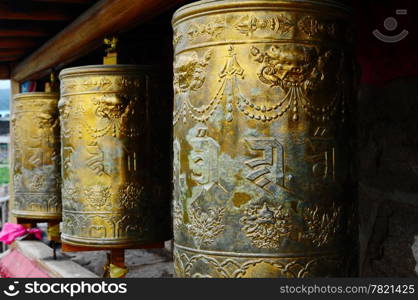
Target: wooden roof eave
<point>86,34</point>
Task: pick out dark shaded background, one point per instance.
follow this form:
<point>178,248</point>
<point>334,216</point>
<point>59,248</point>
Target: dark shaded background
<point>388,140</point>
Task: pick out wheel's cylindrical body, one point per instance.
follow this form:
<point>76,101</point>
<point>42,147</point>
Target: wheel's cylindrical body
<point>36,159</point>
<point>262,182</point>
<point>111,196</point>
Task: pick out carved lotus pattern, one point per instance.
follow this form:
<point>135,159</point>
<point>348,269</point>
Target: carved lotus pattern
<point>97,196</point>
<point>266,225</point>
<point>321,226</point>
<point>130,195</point>
<point>205,226</point>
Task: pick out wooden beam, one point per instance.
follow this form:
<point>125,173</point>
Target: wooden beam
<point>4,71</point>
<point>35,13</point>
<point>12,52</point>
<point>24,31</point>
<point>7,43</point>
<point>67,1</point>
<point>9,59</point>
<point>86,33</point>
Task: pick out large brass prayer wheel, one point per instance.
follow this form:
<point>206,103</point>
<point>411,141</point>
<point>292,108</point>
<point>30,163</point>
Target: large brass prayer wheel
<point>36,156</point>
<point>111,195</point>
<point>263,185</point>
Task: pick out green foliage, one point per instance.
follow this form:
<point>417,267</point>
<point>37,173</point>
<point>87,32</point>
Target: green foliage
<point>4,175</point>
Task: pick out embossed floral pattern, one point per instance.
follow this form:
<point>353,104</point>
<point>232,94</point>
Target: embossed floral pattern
<point>205,226</point>
<point>266,226</point>
<point>321,227</point>
<point>130,196</point>
<point>177,214</point>
<point>97,196</point>
<point>227,267</point>
<point>37,182</point>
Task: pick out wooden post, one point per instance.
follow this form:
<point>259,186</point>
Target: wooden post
<point>117,258</point>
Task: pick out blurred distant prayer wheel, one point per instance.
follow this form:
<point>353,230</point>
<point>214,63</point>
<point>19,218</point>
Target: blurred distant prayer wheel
<point>36,157</point>
<point>111,196</point>
<point>262,165</point>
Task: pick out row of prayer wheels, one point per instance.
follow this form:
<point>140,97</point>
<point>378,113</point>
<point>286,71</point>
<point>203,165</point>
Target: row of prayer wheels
<point>263,183</point>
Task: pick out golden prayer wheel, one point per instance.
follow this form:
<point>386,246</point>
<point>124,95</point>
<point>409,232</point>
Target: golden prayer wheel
<point>36,156</point>
<point>112,197</point>
<point>263,185</point>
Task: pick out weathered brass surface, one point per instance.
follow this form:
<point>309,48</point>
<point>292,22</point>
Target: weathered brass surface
<point>111,196</point>
<point>262,184</point>
<point>36,162</point>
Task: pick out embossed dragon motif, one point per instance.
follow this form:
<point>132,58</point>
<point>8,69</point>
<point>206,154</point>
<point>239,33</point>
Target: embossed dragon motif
<point>230,70</point>
<point>116,111</point>
<point>298,70</point>
<point>189,72</point>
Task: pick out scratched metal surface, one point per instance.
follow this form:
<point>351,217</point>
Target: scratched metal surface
<point>262,183</point>
<point>110,155</point>
<point>36,156</point>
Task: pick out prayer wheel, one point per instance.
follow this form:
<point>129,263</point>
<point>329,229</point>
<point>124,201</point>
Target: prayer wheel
<point>263,177</point>
<point>112,197</point>
<point>36,157</point>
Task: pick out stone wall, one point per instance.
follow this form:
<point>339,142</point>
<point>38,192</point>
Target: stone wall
<point>388,178</point>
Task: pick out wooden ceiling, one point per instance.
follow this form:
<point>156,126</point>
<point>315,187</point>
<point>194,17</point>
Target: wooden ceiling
<point>27,24</point>
<point>38,36</point>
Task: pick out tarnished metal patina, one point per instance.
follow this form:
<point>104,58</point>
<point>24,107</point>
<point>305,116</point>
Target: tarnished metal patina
<point>111,196</point>
<point>262,184</point>
<point>36,161</point>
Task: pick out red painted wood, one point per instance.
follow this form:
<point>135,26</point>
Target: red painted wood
<point>16,265</point>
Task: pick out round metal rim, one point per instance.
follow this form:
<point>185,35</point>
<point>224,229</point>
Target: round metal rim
<point>107,243</point>
<point>37,95</point>
<point>106,69</point>
<point>206,6</point>
<point>30,215</point>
